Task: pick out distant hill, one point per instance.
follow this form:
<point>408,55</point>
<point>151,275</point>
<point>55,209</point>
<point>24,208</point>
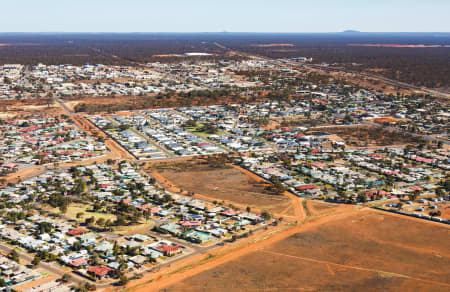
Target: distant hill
<point>351,31</point>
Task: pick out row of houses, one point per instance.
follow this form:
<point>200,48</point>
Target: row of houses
<point>28,141</point>
<point>105,80</point>
<point>352,174</point>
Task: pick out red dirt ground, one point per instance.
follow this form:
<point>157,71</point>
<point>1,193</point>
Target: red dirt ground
<point>231,184</point>
<point>367,251</point>
<point>317,208</point>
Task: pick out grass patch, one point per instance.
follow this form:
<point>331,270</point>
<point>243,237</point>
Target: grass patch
<point>136,228</point>
<point>76,208</point>
<point>196,131</point>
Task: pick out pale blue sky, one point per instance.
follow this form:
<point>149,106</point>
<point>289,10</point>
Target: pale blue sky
<point>224,15</point>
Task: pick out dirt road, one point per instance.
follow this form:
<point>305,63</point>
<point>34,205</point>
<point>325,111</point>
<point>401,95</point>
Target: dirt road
<point>164,278</point>
<point>118,151</point>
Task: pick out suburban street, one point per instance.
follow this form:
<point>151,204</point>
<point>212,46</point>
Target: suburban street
<point>51,267</point>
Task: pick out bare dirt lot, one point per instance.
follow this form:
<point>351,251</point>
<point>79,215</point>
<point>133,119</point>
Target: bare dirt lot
<point>227,183</point>
<point>445,210</point>
<point>369,136</point>
<point>10,108</point>
<point>369,251</point>
<point>387,119</point>
<point>317,208</point>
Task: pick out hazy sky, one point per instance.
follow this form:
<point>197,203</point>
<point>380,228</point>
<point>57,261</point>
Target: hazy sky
<point>224,15</point>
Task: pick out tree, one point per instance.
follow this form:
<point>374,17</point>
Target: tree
<point>190,124</point>
<point>95,258</point>
<point>362,198</point>
<point>167,198</point>
<point>446,185</point>
<point>13,255</point>
<point>96,206</point>
<point>45,227</point>
<point>123,280</point>
<point>116,248</point>
<point>277,186</point>
<point>209,128</point>
<point>36,261</point>
<point>66,278</point>
<point>265,215</point>
<point>439,192</point>
<point>147,215</point>
<point>414,195</point>
<point>2,282</point>
<point>435,213</point>
<point>90,220</point>
<point>108,223</point>
<point>100,222</point>
<point>84,287</point>
<point>120,221</point>
<point>77,246</point>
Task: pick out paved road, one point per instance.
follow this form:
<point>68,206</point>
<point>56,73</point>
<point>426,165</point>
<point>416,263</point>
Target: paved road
<point>204,139</point>
<point>69,111</point>
<point>153,142</point>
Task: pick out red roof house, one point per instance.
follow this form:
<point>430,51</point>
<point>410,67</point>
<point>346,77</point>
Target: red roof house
<point>100,271</point>
<point>78,262</point>
<point>306,187</point>
<point>190,223</point>
<point>169,250</point>
<point>75,232</point>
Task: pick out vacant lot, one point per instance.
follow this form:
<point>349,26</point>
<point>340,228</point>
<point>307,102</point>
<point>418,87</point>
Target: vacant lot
<point>370,251</point>
<point>33,106</point>
<point>86,210</point>
<point>445,210</point>
<point>316,207</point>
<point>221,183</point>
<point>363,136</point>
<point>388,119</point>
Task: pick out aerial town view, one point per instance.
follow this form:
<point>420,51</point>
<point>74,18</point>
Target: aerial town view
<point>239,146</point>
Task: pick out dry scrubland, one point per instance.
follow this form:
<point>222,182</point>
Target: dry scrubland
<point>370,251</point>
<point>9,108</point>
<point>224,183</point>
<point>367,136</point>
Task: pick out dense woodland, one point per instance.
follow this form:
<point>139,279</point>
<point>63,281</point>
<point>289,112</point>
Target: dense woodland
<point>421,66</point>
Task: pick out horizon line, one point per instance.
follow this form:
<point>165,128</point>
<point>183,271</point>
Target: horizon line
<point>214,32</point>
